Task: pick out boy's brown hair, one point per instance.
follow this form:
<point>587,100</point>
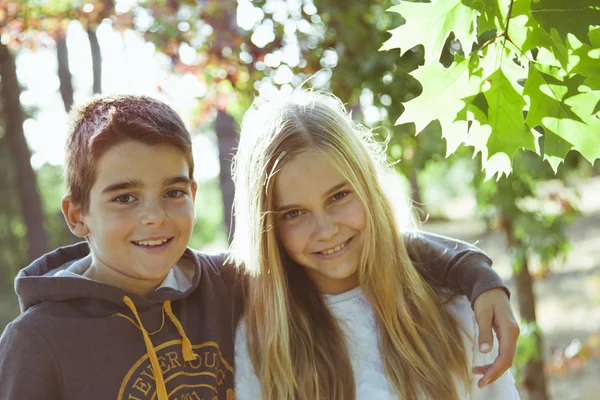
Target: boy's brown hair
<point>106,121</point>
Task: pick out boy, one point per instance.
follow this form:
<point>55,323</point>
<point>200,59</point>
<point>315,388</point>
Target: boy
<point>132,313</point>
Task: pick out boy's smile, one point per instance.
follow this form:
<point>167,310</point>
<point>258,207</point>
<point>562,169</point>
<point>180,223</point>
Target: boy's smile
<point>141,215</point>
<point>153,244</point>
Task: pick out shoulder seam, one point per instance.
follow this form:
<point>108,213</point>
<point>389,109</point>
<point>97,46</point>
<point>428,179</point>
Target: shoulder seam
<point>213,265</point>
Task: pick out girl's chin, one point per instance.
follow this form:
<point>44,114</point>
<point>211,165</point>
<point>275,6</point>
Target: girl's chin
<point>330,283</point>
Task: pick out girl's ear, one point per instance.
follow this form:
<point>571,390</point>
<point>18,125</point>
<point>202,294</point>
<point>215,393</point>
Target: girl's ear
<point>74,217</point>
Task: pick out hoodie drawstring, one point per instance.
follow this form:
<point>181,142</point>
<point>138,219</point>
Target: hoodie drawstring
<point>186,345</point>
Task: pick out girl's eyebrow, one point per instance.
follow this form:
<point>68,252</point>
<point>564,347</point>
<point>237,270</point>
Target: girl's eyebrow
<point>327,193</point>
<point>335,188</point>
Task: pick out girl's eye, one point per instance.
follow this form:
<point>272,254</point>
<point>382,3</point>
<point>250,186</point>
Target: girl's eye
<point>292,214</point>
<point>340,195</point>
<point>124,199</point>
<point>175,193</point>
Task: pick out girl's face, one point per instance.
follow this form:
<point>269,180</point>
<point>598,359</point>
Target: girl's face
<point>321,221</point>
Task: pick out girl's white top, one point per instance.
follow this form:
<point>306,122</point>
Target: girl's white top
<point>357,320</point>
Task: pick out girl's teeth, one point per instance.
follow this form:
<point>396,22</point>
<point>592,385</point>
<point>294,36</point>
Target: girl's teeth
<point>334,250</point>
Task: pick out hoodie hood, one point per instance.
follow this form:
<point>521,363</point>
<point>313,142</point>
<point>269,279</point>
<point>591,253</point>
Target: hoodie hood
<point>39,283</point>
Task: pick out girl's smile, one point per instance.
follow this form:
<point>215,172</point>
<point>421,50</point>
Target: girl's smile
<point>335,252</point>
<point>321,221</point>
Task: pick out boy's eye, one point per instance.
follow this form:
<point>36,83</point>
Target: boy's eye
<point>340,195</point>
<point>124,199</point>
<point>292,214</point>
<point>175,193</point>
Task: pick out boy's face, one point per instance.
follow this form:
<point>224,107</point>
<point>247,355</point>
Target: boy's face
<point>141,211</point>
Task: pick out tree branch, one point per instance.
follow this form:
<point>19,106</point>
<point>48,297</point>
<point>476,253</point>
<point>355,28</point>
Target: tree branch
<point>508,17</point>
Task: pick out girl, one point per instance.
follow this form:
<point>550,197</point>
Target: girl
<point>335,309</point>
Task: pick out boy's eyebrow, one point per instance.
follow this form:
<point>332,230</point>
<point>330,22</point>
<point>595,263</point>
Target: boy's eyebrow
<point>137,184</point>
<point>177,179</point>
<point>131,184</point>
<point>327,193</point>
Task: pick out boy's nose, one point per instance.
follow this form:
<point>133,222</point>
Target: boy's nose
<point>154,214</point>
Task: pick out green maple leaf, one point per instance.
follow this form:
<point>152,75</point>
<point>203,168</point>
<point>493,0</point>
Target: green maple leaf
<point>429,24</point>
<point>583,58</point>
<point>554,148</point>
<point>594,36</point>
<point>582,134</point>
<point>572,16</point>
<point>492,14</point>
<point>592,83</point>
<point>479,130</point>
<point>505,117</point>
<point>481,101</point>
<point>499,56</point>
<point>443,89</point>
<point>546,94</point>
<point>478,136</point>
<point>527,33</point>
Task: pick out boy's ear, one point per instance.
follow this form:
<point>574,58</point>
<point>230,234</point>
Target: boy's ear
<point>194,191</point>
<point>73,216</point>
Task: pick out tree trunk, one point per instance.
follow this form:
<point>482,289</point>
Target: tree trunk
<point>225,26</point>
<point>31,203</point>
<point>64,73</point>
<point>227,139</point>
<point>534,380</point>
<point>96,59</point>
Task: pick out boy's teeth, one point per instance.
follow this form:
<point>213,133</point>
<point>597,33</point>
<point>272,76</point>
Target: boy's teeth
<point>152,242</point>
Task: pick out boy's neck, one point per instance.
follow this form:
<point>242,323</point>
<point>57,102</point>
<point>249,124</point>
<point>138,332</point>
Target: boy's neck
<point>104,274</point>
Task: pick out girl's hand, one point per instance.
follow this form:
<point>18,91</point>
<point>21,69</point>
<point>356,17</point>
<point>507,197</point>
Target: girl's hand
<point>492,311</point>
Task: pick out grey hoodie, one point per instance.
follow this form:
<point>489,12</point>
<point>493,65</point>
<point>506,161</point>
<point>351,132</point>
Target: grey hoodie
<point>81,339</point>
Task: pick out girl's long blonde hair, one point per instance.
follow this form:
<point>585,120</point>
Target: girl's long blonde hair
<point>295,344</point>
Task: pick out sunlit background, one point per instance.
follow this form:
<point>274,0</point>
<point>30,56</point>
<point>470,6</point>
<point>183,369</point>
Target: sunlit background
<point>209,59</point>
